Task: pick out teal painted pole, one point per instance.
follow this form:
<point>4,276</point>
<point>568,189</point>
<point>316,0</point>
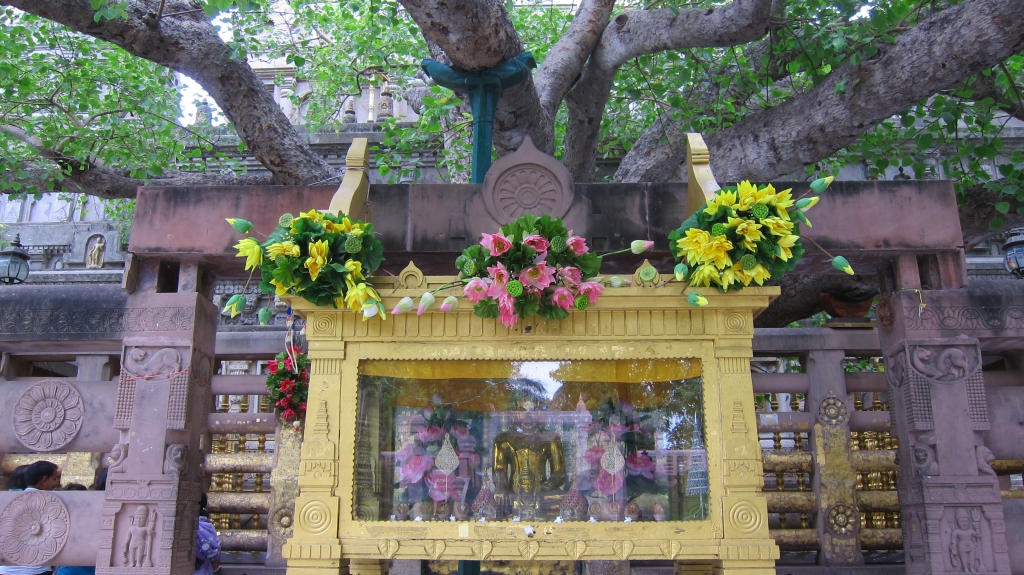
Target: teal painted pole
<point>484,88</point>
<point>469,567</point>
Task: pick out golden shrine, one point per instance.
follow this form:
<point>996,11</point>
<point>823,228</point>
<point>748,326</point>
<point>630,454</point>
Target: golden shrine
<point>623,432</point>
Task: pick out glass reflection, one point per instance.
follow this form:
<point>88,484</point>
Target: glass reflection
<point>499,440</point>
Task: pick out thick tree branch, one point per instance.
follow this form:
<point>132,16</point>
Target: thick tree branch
<point>566,58</point>
<point>935,55</point>
<point>800,296</point>
<point>985,87</point>
<point>186,42</point>
<point>638,32</point>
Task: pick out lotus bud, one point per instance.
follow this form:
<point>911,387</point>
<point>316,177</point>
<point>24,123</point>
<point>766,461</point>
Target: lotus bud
<point>451,302</point>
<point>807,203</point>
<point>821,184</point>
<point>405,304</point>
<point>264,316</point>
<point>370,309</point>
<point>235,305</point>
<point>697,300</point>
<point>241,226</point>
<point>640,246</point>
<point>426,302</point>
<point>617,282</point>
<point>680,271</point>
<point>841,264</point>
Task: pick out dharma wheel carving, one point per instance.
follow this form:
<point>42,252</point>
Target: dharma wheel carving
<point>842,519</point>
<point>527,182</point>
<point>33,528</point>
<point>833,411</point>
<point>48,415</point>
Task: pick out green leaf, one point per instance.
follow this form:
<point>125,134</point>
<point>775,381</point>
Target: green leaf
<point>1002,207</point>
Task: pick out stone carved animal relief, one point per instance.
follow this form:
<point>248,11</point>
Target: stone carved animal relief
<point>175,458</point>
<point>924,460</point>
<point>942,364</point>
<point>141,363</point>
<point>985,458</point>
<point>117,457</point>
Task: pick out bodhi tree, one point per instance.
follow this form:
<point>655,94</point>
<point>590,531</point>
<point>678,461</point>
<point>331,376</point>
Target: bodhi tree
<point>89,100</point>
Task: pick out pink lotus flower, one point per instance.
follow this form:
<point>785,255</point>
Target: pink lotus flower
<point>563,298</point>
<point>570,276</point>
<point>577,244</point>
<point>627,407</point>
<point>538,243</point>
<point>507,310</point>
<point>499,274</point>
<point>608,484</point>
<point>476,289</point>
<point>441,486</point>
<point>409,450</point>
<point>593,455</point>
<point>430,434</point>
<point>591,289</point>
<point>496,243</point>
<point>413,470</point>
<point>640,464</point>
<point>539,276</point>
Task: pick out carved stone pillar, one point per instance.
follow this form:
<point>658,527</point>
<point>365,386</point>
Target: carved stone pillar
<point>949,496</point>
<point>155,479</point>
<point>835,480</point>
<point>284,482</point>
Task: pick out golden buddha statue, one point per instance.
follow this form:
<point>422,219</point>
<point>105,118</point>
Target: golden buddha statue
<point>527,463</point>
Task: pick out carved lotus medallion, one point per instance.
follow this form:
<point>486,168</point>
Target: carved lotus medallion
<point>48,415</point>
<point>33,528</point>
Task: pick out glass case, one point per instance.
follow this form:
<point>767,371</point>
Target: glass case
<point>493,440</point>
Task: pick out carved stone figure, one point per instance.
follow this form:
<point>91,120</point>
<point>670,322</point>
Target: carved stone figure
<point>924,460</point>
<point>163,361</point>
<point>950,364</point>
<point>118,455</point>
<point>521,463</point>
<point>965,541</point>
<point>985,458</point>
<point>97,250</point>
<point>138,548</point>
<point>174,458</point>
<point>386,107</point>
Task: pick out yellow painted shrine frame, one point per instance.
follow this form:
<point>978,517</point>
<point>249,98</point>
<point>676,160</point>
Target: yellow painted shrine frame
<point>641,322</point>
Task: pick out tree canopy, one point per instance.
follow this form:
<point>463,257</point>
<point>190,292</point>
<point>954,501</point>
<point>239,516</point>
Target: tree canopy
<point>89,99</point>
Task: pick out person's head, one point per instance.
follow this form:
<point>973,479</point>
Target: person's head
<point>43,475</point>
<point>74,487</point>
<point>18,477</point>
<point>101,481</point>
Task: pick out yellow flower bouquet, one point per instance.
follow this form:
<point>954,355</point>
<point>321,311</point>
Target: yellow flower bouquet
<point>323,258</point>
<point>745,234</point>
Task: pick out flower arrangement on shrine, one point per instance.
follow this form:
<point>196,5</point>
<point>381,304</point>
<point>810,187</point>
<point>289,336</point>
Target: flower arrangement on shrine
<point>532,266</point>
<point>324,258</point>
<point>745,234</point>
<point>288,384</point>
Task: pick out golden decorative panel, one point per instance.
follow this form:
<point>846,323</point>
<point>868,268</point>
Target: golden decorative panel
<point>619,433</point>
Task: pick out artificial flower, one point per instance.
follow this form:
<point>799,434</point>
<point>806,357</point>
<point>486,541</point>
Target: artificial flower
<point>279,288</point>
<point>426,301</point>
<point>499,274</point>
<point>778,226</point>
<point>607,483</point>
<point>451,302</point>
<point>591,289</point>
<point>722,198</point>
<point>507,310</point>
<point>577,244</point>
<point>785,246</point>
<point>717,252</point>
<point>570,276</point>
<point>358,294</point>
<point>250,249</point>
<point>407,451</point>
<point>286,248</point>
<point>476,289</point>
<point>563,297</point>
<point>640,246</point>
<point>593,455</point>
<point>759,274</point>
<point>355,267</point>
<point>371,308</point>
<point>415,467</point>
<point>704,275</point>
<point>783,200</point>
<point>537,243</point>
<point>405,304</point>
<point>539,276</point>
<point>693,244</point>
<point>239,225</point>
<point>749,230</point>
<point>732,275</point>
<point>441,486</point>
<point>747,196</point>
<point>497,244</point>
<point>431,434</point>
<point>317,258</point>
<point>640,464</point>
